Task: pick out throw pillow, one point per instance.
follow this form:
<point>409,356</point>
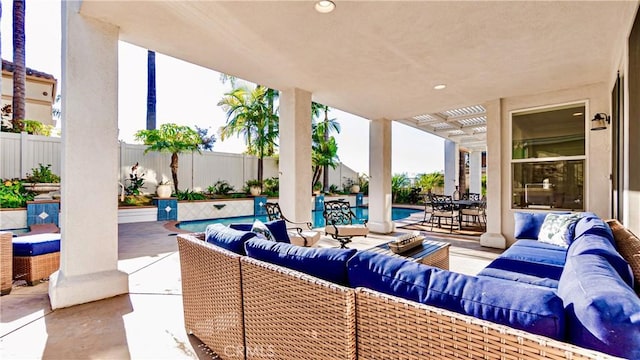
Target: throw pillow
<point>262,231</point>
<point>557,229</point>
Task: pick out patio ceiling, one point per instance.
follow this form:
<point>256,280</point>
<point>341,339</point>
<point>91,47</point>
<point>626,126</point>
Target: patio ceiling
<point>381,59</point>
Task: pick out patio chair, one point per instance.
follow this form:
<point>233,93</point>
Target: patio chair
<point>477,213</point>
<point>443,207</point>
<point>428,209</point>
<point>297,235</point>
<point>340,222</point>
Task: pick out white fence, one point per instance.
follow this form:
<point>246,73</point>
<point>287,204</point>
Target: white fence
<point>22,152</point>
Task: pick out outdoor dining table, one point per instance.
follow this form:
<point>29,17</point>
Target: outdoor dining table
<point>464,204</point>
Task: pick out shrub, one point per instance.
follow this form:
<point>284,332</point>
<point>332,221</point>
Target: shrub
<point>190,195</point>
<point>42,174</point>
<point>221,187</point>
<point>14,195</point>
<point>135,182</point>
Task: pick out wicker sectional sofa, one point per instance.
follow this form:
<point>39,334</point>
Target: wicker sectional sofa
<point>276,303</point>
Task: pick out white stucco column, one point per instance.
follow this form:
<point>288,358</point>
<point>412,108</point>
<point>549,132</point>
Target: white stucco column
<point>475,172</point>
<point>295,154</point>
<point>493,237</point>
<point>89,245</point>
<point>380,197</point>
<point>451,166</point>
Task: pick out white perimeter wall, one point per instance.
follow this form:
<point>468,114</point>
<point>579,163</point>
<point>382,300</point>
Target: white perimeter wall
<point>23,152</point>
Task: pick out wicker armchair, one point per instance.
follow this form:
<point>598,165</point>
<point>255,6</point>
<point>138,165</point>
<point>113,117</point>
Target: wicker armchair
<point>297,235</point>
<point>340,222</point>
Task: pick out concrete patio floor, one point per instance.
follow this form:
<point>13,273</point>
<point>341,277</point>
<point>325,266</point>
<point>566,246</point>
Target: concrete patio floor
<point>148,322</point>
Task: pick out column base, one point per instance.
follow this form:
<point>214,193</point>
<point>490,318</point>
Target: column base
<point>493,240</point>
<point>381,227</point>
<point>68,291</point>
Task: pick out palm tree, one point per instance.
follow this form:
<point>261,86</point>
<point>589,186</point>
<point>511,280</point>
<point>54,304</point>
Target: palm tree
<point>250,114</point>
<point>151,90</point>
<point>173,139</point>
<point>324,146</point>
<point>20,70</point>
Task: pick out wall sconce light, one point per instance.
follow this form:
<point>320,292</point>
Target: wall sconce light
<point>600,121</point>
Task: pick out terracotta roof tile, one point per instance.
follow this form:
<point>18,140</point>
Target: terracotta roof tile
<point>8,66</point>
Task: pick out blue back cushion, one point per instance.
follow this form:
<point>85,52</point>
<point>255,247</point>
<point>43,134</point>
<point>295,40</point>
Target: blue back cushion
<point>278,229</point>
<point>390,275</point>
<point>527,307</point>
<point>589,243</point>
<point>527,225</point>
<point>592,224</point>
<point>603,313</point>
<point>228,238</point>
<point>325,263</point>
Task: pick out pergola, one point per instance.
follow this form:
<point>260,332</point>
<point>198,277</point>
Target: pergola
<point>379,60</point>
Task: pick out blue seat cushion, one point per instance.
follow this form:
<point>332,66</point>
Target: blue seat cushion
<point>325,263</point>
<point>589,243</point>
<point>528,273</point>
<point>603,313</point>
<point>390,275</point>
<point>535,309</point>
<point>537,244</point>
<point>227,238</point>
<point>278,229</point>
<point>536,255</point>
<point>34,245</point>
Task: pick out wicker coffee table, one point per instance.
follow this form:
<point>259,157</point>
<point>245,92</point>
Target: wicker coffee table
<point>431,252</point>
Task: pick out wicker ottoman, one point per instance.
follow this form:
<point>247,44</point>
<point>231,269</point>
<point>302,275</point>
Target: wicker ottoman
<point>35,257</point>
<point>6,262</point>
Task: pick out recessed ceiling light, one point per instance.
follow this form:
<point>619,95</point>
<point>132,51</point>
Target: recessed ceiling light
<point>577,114</point>
<point>439,87</point>
<point>325,6</point>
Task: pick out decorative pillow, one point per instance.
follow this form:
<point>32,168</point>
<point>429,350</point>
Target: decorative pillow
<point>527,225</point>
<point>557,229</point>
<point>228,238</point>
<point>278,229</point>
<point>262,231</point>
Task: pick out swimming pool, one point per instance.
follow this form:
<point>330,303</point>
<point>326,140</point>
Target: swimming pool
<point>318,220</point>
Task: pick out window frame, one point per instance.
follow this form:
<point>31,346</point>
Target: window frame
<point>585,157</point>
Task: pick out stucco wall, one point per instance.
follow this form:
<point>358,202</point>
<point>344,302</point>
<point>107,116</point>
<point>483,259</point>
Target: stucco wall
<point>597,185</point>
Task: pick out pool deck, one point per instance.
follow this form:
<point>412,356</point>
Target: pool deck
<point>146,323</point>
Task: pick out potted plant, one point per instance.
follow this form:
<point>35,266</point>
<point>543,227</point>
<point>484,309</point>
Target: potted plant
<point>164,189</point>
<point>255,187</point>
<point>317,187</point>
<point>42,180</point>
<point>351,185</point>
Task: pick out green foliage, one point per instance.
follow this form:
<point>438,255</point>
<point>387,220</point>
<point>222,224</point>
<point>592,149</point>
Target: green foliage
<point>42,174</point>
<point>14,195</point>
<point>251,114</point>
<point>190,195</point>
<point>324,148</point>
<point>221,187</point>
<point>137,200</point>
<point>35,127</point>
<point>430,180</point>
<point>173,139</point>
<point>317,186</point>
<point>135,182</point>
<point>334,189</point>
<point>399,187</point>
<point>364,183</point>
<point>271,186</point>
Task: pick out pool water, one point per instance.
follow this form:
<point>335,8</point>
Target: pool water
<point>318,220</point>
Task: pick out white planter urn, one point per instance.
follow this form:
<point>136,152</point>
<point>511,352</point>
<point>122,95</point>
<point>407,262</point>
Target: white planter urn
<point>355,189</point>
<point>42,187</point>
<point>255,190</point>
<point>164,191</point>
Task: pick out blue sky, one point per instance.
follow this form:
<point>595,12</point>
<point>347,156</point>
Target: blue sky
<point>413,151</point>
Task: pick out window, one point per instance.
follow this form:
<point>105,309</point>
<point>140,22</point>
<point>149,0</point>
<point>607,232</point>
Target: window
<point>548,158</point>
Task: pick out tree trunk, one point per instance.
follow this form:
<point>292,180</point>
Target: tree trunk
<point>151,90</point>
<point>174,171</point>
<point>19,70</point>
<point>260,169</point>
<point>325,170</point>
